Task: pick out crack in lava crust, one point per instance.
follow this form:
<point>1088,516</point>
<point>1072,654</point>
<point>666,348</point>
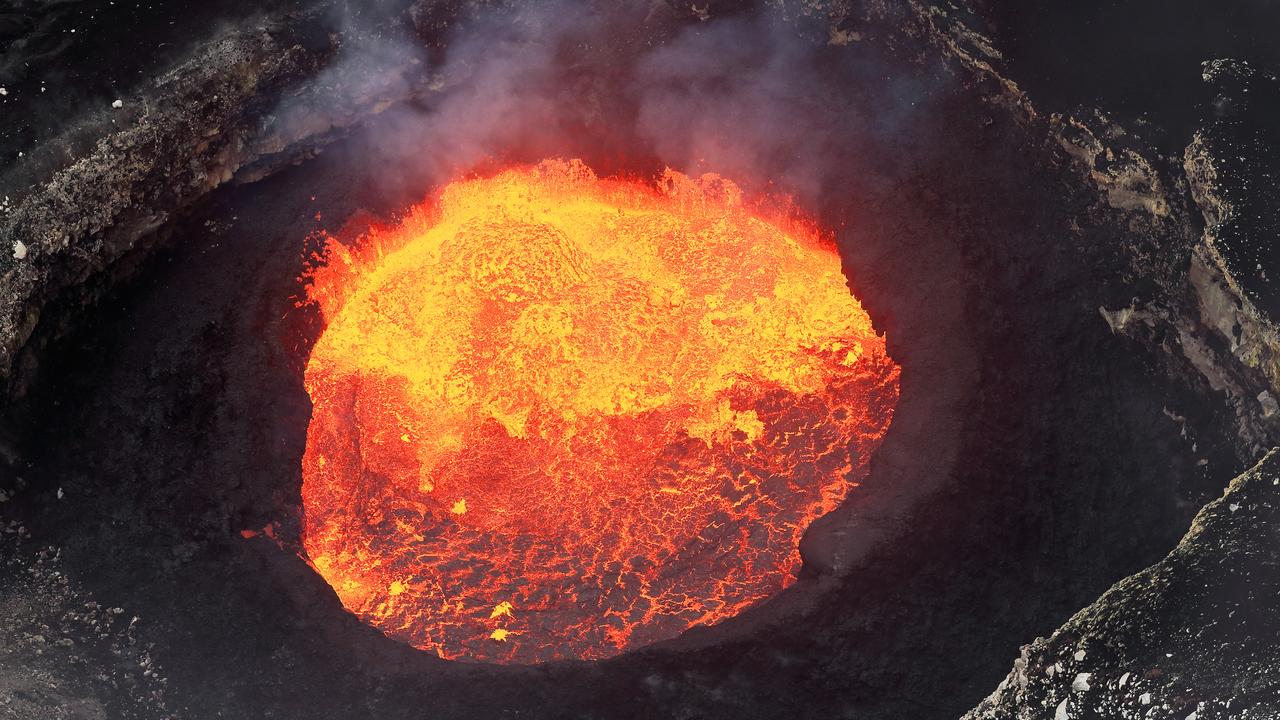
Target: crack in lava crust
<point>556,416</point>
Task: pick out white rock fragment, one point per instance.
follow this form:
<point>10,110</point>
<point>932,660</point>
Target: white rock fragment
<point>1124,679</point>
<point>19,250</point>
<point>1145,698</point>
<point>60,493</point>
<point>1270,406</point>
<point>3,91</point>
<point>1061,712</point>
<point>1116,319</point>
<point>1081,683</point>
<point>1079,655</point>
<point>117,104</point>
<point>1233,507</point>
<point>1193,715</point>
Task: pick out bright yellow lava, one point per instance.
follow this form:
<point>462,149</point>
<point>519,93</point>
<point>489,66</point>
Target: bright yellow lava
<point>591,411</point>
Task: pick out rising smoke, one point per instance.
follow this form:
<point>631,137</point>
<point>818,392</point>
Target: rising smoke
<point>634,88</point>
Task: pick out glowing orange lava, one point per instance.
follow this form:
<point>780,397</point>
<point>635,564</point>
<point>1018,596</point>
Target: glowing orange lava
<point>557,416</point>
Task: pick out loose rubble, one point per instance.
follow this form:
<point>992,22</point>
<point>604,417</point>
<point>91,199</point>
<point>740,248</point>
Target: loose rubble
<point>1191,637</point>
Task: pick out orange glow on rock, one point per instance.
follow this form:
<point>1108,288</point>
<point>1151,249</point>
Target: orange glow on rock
<point>557,416</point>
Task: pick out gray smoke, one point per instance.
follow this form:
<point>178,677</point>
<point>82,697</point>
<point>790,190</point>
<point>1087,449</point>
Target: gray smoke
<point>629,89</point>
<point>751,99</point>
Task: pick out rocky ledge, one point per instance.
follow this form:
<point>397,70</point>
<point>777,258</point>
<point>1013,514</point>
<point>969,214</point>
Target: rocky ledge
<point>1193,637</point>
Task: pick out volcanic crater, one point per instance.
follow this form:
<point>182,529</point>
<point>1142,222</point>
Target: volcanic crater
<point>177,399</point>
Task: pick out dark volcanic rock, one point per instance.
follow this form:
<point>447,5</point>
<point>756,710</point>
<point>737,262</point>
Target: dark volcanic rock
<point>1233,165</point>
<point>64,656</point>
<point>1234,162</point>
<point>246,102</point>
<point>1196,636</point>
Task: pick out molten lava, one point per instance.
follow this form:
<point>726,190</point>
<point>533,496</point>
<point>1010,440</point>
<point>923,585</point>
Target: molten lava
<point>557,416</point>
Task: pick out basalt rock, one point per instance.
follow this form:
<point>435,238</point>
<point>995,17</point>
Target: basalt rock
<point>1193,636</point>
<point>79,214</point>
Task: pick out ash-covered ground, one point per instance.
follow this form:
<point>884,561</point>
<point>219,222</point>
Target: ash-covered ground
<point>1073,266</point>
